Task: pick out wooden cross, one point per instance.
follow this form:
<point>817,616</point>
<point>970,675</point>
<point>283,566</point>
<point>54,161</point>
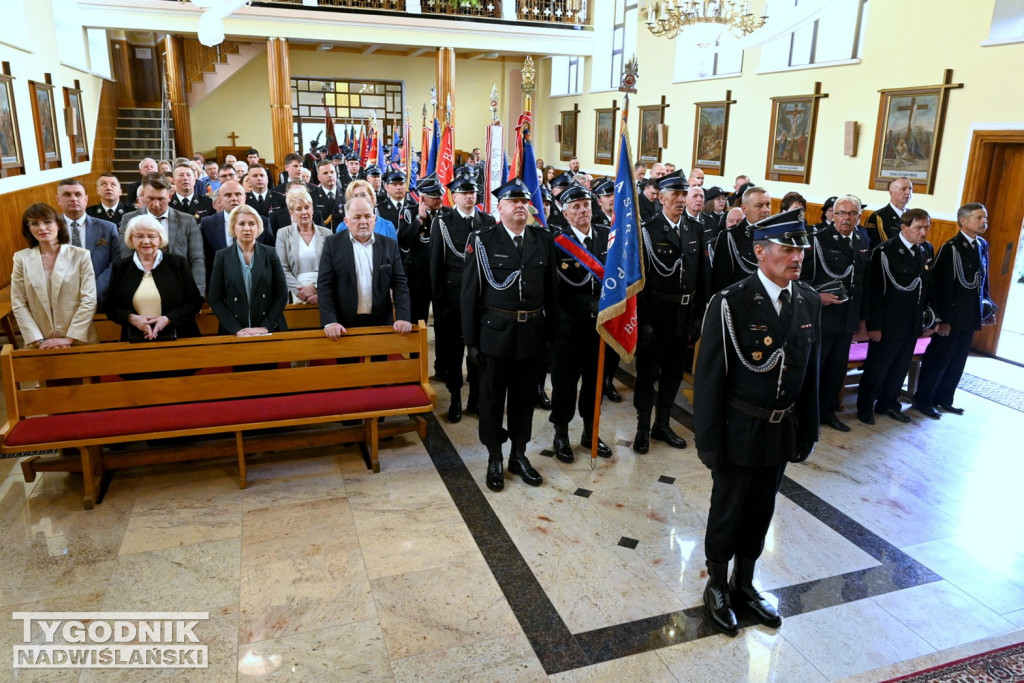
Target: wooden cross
<point>910,117</point>
<point>234,139</point>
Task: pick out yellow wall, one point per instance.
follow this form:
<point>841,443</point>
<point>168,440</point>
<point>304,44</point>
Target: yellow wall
<point>241,104</point>
<point>31,66</point>
<point>891,58</point>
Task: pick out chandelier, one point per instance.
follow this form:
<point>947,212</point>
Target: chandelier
<point>669,17</point>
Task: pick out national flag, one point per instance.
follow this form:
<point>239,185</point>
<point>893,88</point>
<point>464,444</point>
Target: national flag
<point>446,163</point>
<point>396,146</point>
<point>529,171</point>
<point>616,317</point>
<point>435,144</point>
<point>381,161</point>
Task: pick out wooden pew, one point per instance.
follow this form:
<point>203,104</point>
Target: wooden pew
<point>91,396</point>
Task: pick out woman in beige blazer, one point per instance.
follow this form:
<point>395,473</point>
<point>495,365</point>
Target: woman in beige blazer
<point>53,287</point>
<point>299,246</point>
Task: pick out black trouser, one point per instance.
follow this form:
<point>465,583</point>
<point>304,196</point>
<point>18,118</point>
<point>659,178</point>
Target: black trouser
<point>942,367</point>
<point>575,356</point>
<point>450,349</point>
<point>512,382</point>
<point>419,294</point>
<point>611,362</point>
<point>884,371</point>
<point>742,505</point>
<point>664,361</point>
<point>835,357</point>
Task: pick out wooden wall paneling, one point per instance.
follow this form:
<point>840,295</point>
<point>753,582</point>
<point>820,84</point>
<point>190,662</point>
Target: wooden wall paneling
<point>281,121</point>
<point>120,51</point>
<point>177,95</point>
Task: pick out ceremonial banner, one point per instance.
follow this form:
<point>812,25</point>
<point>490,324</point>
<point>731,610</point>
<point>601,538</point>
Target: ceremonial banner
<point>435,144</point>
<point>364,146</point>
<point>382,163</point>
<point>332,141</point>
<point>624,270</point>
<point>424,151</point>
<point>495,165</point>
<point>446,163</point>
<point>529,172</point>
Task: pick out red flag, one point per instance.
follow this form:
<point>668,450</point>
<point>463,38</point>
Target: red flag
<point>517,152</point>
<point>332,141</point>
<point>424,146</point>
<point>446,163</point>
<point>364,147</point>
<point>371,150</point>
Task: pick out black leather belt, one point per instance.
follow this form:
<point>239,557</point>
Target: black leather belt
<point>518,316</point>
<point>681,299</point>
<point>772,415</point>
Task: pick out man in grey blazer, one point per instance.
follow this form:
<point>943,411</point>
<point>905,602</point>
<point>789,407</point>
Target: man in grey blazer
<point>98,236</point>
<point>183,235</point>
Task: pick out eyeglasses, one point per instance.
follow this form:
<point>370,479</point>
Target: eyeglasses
<point>846,213</point>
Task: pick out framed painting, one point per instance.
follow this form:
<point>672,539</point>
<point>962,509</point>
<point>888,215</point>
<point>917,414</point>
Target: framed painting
<point>909,134</point>
<point>710,132</point>
<point>604,135</point>
<point>44,115</point>
<point>75,124</point>
<point>791,137</point>
<point>12,161</point>
<point>567,144</point>
<point>651,119</point>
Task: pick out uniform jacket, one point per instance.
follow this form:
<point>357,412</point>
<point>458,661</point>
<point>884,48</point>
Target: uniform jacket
<point>264,307</point>
<point>887,308</point>
<point>114,215</point>
<point>955,304</point>
<point>722,374</point>
<point>329,214</point>
<point>289,241</point>
<point>447,260</point>
<point>832,253</point>
<point>199,208</point>
<point>882,225</point>
<point>533,287</point>
<point>184,239</point>
<point>337,287</point>
<point>272,201</point>
<point>664,250</point>
<point>180,299</point>
<point>727,268</point>
<point>578,290</point>
<point>66,310</point>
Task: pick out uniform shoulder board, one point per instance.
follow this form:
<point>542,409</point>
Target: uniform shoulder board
<point>733,289</point>
<point>805,286</point>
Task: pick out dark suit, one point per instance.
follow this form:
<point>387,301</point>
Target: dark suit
<point>113,215</point>
<point>882,225</point>
<point>957,303</point>
<point>106,248</point>
<point>215,237</point>
<point>834,257</point>
<point>753,451</point>
<point>669,310</point>
<point>414,242</point>
<point>338,290</point>
<point>180,299</point>
<point>576,338</point>
<point>648,209</point>
<point>272,202</point>
<point>727,268</point>
<point>512,327</point>
<point>200,206</point>
<point>897,315</point>
<point>263,307</point>
<point>449,234</point>
<point>344,178</point>
<point>183,239</point>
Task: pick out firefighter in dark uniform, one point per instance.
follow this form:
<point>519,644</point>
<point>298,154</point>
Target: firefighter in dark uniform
<point>558,186</point>
<point>350,172</point>
<point>604,215</point>
<point>895,301</point>
<point>449,233</point>
<point>576,338</point>
<point>647,200</point>
<point>884,224</point>
<point>413,235</point>
<point>509,291</point>
<point>714,212</point>
<point>836,266</point>
<point>828,218</point>
<point>669,311</point>
<point>755,409</point>
<point>261,197</point>
<point>734,249</point>
<point>328,198</point>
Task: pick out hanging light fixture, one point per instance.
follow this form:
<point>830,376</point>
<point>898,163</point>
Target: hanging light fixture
<point>669,18</point>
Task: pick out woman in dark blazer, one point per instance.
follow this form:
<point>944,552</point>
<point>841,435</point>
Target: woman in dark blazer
<point>152,293</point>
<point>247,290</point>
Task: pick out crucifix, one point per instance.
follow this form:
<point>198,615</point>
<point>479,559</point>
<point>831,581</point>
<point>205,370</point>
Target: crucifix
<point>910,116</point>
<point>234,139</point>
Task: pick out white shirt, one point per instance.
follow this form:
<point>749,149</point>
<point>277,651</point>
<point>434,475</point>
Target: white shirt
<point>184,199</point>
<point>774,290</point>
<point>674,226</point>
<point>228,239</point>
<point>513,236</point>
<point>363,256</point>
<point>466,216</point>
<point>907,244</point>
<point>899,212</point>
<point>579,235</point>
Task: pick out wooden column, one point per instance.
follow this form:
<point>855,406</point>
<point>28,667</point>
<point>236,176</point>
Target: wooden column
<point>445,83</point>
<point>178,97</point>
<point>280,99</point>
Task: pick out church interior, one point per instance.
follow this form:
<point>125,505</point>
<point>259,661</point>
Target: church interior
<point>893,548</point>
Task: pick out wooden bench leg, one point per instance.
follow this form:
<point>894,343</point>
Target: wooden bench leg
<point>369,444</point>
<point>92,474</point>
<point>28,470</point>
<point>421,426</point>
<point>239,446</point>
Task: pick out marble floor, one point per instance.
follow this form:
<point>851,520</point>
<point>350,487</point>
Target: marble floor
<point>893,548</point>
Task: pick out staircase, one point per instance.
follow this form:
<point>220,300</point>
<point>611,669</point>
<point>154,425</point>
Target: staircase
<point>140,133</point>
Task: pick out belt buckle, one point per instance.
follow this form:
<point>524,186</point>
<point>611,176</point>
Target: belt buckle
<point>684,300</point>
<point>522,316</point>
<point>777,415</point>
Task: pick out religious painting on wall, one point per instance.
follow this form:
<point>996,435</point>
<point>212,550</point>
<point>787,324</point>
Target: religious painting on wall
<point>11,161</point>
<point>710,131</point>
<point>791,137</point>
<point>567,146</point>
<point>45,116</point>
<point>651,119</point>
<point>907,137</point>
<point>604,135</point>
<point>75,121</point>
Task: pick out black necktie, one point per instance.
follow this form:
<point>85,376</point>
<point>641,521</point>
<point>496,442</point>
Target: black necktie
<point>588,242</point>
<point>519,244</point>
<point>330,197</point>
<point>110,214</point>
<point>185,203</point>
<point>786,309</point>
<point>259,203</point>
<point>76,241</point>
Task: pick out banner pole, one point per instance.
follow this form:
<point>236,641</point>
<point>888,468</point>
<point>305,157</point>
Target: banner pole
<point>594,430</point>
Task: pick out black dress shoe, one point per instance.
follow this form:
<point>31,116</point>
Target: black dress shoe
<point>717,601</point>
<point>518,464</point>
<point>866,418</point>
<point>665,433</point>
<point>455,410</point>
<point>642,441</point>
<point>603,449</point>
<point>950,409</point>
<point>836,424</point>
<point>472,406</point>
<point>495,474</point>
<point>744,596</point>
<point>927,411</point>
<point>610,391</point>
<point>542,399</point>
<point>562,448</point>
<point>897,415</point>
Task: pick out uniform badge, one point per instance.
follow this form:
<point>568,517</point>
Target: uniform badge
<point>768,341</point>
<point>565,266</point>
<point>756,355</point>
